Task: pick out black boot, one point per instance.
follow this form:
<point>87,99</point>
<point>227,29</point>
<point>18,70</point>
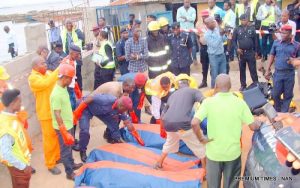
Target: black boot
<point>203,85</point>
<point>83,156</point>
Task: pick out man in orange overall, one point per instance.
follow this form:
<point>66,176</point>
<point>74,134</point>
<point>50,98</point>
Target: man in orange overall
<point>41,83</point>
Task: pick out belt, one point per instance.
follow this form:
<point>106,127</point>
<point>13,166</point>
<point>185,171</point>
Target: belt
<point>247,51</point>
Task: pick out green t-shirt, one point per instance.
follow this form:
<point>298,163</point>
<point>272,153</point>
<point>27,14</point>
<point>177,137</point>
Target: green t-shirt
<point>60,100</point>
<point>225,115</point>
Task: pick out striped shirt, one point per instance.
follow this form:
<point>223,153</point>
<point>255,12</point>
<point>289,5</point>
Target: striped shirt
<point>139,48</point>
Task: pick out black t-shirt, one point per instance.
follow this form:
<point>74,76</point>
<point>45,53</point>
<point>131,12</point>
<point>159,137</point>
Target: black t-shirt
<point>180,105</point>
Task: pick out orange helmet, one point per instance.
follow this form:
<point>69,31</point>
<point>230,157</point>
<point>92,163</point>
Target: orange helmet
<point>66,70</point>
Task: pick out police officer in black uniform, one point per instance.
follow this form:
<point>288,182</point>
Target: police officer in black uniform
<point>181,49</point>
<point>245,39</point>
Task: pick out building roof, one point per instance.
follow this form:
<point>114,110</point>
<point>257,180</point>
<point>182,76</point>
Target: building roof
<point>123,2</point>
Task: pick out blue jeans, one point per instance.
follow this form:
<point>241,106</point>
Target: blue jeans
<point>283,84</point>
<point>110,120</point>
<point>218,65</point>
<point>66,153</point>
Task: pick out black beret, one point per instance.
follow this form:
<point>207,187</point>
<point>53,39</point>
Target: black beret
<point>244,17</point>
<point>75,48</point>
<point>9,96</point>
<point>58,44</point>
<point>175,25</point>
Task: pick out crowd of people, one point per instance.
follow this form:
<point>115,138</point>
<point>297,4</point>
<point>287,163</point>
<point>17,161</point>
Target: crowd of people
<point>155,74</point>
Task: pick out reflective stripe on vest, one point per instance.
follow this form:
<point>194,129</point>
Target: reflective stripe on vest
<point>111,64</point>
<point>161,68</point>
<point>20,148</point>
<point>271,19</point>
<point>75,39</point>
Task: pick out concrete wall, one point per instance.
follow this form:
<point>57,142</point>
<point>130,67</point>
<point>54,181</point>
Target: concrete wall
<point>35,35</point>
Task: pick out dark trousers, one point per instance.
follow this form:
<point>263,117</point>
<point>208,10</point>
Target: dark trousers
<point>123,66</point>
<point>102,76</point>
<point>110,120</point>
<point>195,45</point>
<point>79,76</point>
<point>11,50</point>
<point>283,83</point>
<point>135,97</point>
<point>230,170</point>
<point>227,58</point>
<point>180,70</point>
<point>248,58</point>
<point>205,62</point>
<point>66,155</point>
<point>19,178</point>
<point>265,47</point>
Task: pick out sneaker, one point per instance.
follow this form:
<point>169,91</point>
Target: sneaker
<point>77,166</point>
<point>71,176</point>
<point>55,171</point>
<point>203,85</point>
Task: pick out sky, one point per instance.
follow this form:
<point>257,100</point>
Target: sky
<point>12,3</point>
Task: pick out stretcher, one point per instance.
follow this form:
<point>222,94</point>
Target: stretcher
<point>150,133</point>
<point>131,165</point>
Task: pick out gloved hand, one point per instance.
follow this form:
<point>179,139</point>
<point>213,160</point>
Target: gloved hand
<point>77,91</point>
<point>134,117</point>
<point>141,101</point>
<point>163,132</point>
<point>136,135</point>
<point>67,137</point>
<point>78,112</point>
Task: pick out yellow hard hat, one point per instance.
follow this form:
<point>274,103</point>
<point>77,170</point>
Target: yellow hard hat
<point>3,74</point>
<point>163,21</point>
<point>192,81</point>
<point>153,26</point>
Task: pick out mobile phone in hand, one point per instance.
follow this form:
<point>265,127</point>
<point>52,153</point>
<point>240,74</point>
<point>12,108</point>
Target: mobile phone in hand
<point>290,139</point>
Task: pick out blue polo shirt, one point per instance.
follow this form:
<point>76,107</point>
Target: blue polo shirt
<point>102,105</point>
<point>282,52</point>
<point>180,54</point>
